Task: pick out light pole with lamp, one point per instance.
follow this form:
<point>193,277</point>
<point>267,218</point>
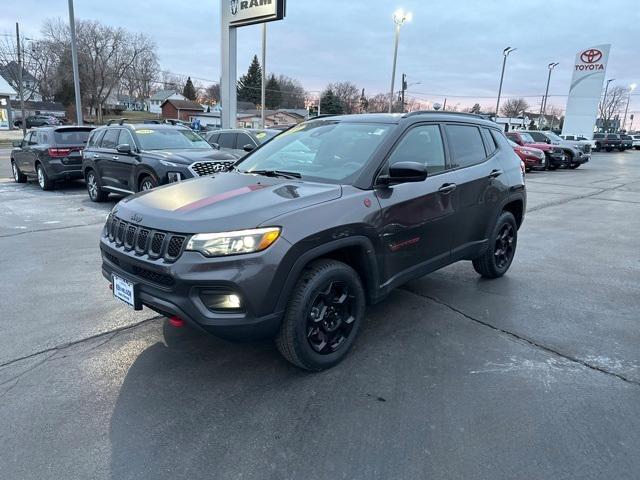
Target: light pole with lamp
<point>543,110</point>
<point>604,105</point>
<point>399,18</point>
<point>505,54</point>
<point>632,87</point>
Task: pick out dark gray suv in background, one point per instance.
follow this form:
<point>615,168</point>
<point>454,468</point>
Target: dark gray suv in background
<point>313,225</point>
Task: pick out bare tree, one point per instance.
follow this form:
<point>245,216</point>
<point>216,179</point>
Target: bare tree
<point>514,107</point>
<point>138,79</point>
<point>211,94</point>
<point>348,94</point>
<point>292,92</point>
<point>378,103</point>
<point>9,66</point>
<point>612,105</point>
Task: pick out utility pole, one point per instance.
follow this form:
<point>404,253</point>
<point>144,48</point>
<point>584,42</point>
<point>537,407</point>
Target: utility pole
<point>505,54</point>
<point>551,66</point>
<point>264,73</point>
<point>605,122</point>
<point>632,87</point>
<point>74,62</point>
<point>20,87</point>
<point>404,88</point>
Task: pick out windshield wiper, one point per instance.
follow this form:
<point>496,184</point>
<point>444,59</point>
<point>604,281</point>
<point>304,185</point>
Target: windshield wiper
<point>275,173</point>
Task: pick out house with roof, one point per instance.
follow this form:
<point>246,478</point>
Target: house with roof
<point>9,73</point>
<point>154,102</point>
<point>180,109</point>
<point>6,114</point>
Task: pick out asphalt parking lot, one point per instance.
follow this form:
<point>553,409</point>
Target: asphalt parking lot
<point>535,375</point>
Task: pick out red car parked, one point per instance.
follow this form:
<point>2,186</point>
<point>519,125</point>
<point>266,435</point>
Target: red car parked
<point>532,157</point>
<point>554,156</point>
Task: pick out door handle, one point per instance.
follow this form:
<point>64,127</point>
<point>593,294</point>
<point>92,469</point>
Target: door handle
<point>115,157</point>
<point>495,173</point>
<point>95,155</point>
<point>447,188</point>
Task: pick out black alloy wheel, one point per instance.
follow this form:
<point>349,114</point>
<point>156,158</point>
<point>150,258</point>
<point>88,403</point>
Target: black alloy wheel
<point>331,318</point>
<point>504,246</point>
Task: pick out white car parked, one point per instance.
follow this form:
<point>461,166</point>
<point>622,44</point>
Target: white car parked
<point>636,141</point>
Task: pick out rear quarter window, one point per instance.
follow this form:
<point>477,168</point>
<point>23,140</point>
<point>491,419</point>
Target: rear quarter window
<point>466,145</point>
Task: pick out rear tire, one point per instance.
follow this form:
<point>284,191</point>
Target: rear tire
<point>323,316</point>
<point>497,258</point>
<point>18,176</point>
<point>43,180</point>
<point>94,187</point>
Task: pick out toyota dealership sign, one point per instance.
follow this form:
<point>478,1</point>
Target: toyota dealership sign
<point>585,91</point>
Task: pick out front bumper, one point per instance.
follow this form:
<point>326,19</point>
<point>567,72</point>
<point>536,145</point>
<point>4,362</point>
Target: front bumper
<point>173,289</point>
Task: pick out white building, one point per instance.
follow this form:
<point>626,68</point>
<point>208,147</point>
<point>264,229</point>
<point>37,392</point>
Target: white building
<point>154,102</point>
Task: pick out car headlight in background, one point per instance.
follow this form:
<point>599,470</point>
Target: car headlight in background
<point>233,243</point>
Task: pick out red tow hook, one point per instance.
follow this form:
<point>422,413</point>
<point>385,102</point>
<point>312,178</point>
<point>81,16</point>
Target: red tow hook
<point>176,322</point>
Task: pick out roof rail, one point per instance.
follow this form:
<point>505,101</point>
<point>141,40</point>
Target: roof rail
<point>420,112</point>
<point>324,115</point>
<point>119,120</point>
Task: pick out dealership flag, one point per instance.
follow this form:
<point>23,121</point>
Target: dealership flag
<point>585,91</point>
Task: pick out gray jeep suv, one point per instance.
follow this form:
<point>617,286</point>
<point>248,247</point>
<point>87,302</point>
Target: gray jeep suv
<point>313,225</point>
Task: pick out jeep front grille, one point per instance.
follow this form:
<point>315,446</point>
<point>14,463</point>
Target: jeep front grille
<point>144,241</point>
<point>209,168</point>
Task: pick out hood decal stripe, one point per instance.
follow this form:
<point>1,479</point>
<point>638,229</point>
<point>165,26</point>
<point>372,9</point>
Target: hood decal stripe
<point>203,202</point>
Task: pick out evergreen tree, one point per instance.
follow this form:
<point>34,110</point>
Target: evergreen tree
<point>189,90</point>
<point>250,85</point>
<point>475,108</point>
<point>273,95</point>
<point>330,104</point>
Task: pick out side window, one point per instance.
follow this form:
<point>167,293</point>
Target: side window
<point>213,138</point>
<point>244,139</point>
<point>125,138</point>
<point>110,139</point>
<point>466,145</point>
<point>538,137</point>
<point>97,137</point>
<point>489,142</point>
<point>421,144</point>
<point>227,140</point>
<point>28,139</point>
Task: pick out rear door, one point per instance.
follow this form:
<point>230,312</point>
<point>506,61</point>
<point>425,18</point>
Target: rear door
<point>104,158</point>
<point>416,219</point>
<point>21,155</point>
<point>481,184</point>
<point>124,165</point>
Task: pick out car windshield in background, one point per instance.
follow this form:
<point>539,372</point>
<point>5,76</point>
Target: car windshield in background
<point>170,139</point>
<point>526,138</point>
<point>553,137</point>
<point>321,150</point>
<point>612,136</point>
<point>71,137</point>
<point>264,135</point>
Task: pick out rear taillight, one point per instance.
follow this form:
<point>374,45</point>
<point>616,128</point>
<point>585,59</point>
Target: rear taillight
<point>59,152</point>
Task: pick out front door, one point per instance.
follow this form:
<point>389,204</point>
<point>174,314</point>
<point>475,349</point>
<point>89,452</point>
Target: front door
<point>416,219</point>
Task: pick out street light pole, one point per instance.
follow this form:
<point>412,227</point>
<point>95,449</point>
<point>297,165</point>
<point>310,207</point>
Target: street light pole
<point>605,121</point>
<point>399,17</point>
<point>264,73</point>
<point>551,66</point>
<point>74,62</point>
<point>632,87</point>
<point>20,86</point>
<point>505,54</point>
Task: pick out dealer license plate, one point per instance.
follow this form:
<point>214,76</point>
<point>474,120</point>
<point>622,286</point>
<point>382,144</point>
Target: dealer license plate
<point>123,290</point>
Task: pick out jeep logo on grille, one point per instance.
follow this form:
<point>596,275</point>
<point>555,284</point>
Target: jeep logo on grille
<point>136,218</point>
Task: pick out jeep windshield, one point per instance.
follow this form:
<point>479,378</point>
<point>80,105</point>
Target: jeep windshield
<point>324,151</point>
<point>171,139</point>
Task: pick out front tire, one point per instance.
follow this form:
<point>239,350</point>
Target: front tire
<point>147,183</point>
<point>94,187</point>
<point>43,180</point>
<point>18,176</point>
<point>323,316</point>
<point>496,260</point>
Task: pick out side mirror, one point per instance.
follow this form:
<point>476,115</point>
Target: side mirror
<point>404,172</point>
<point>215,145</point>
<point>248,147</point>
<point>17,143</point>
<point>124,148</point>
<point>548,140</point>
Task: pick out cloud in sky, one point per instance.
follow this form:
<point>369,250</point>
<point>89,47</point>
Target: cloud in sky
<point>453,48</point>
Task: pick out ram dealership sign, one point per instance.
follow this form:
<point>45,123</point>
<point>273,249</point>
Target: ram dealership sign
<point>248,12</point>
<point>585,91</point>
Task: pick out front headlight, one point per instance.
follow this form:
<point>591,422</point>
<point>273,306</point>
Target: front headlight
<point>233,243</point>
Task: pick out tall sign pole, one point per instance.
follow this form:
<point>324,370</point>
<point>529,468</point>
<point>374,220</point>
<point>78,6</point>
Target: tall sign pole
<point>589,72</point>
<point>264,74</point>
<point>74,62</point>
<point>235,14</point>
<point>20,86</point>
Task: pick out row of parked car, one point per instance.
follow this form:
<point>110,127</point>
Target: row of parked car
<point>546,150</point>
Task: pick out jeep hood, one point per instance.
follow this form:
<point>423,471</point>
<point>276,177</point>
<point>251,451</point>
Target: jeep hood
<point>222,202</point>
<point>189,156</point>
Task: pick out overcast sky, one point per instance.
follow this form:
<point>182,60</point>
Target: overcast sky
<point>452,47</point>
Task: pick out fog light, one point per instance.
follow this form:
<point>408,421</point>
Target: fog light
<point>221,300</point>
<point>174,177</point>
